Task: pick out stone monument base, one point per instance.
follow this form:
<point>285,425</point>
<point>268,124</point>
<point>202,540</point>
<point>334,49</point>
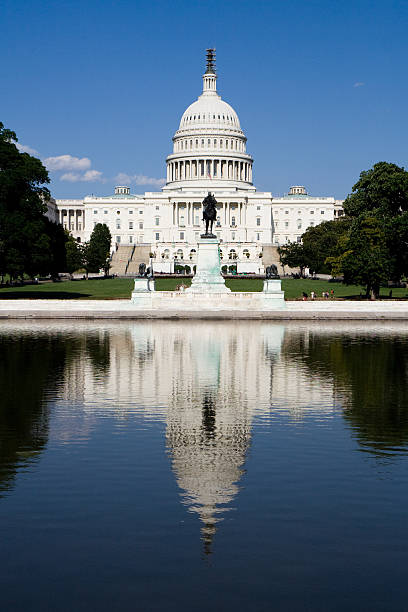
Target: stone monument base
<point>184,303</point>
<point>143,284</point>
<point>273,293</point>
<point>208,279</point>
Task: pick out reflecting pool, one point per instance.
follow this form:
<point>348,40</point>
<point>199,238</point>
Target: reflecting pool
<point>203,466</point>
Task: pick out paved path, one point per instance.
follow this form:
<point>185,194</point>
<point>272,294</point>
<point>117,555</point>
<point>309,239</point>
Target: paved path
<point>123,309</point>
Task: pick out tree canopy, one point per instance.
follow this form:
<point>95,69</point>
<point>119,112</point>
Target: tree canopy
<point>97,250</point>
<point>29,242</point>
<point>374,246</point>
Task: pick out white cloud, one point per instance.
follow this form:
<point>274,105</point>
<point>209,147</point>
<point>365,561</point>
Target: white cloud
<point>67,162</point>
<point>88,176</point>
<point>359,84</point>
<point>26,149</point>
<point>139,179</point>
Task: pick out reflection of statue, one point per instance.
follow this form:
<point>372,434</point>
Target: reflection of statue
<point>209,213</point>
<point>142,269</point>
<point>272,271</point>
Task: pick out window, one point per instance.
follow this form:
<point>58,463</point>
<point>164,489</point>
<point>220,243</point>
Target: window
<point>182,220</point>
<point>258,221</point>
<point>130,239</point>
<point>157,221</point>
<point>258,236</point>
<point>95,212</point>
<point>299,223</point>
<point>286,212</point>
<point>118,212</point>
<point>197,220</point>
<point>118,239</point>
<point>276,225</point>
<point>140,212</point>
<point>299,239</point>
<point>117,223</point>
<point>276,239</point>
<point>141,225</point>
<point>130,212</point>
<point>312,224</point>
<point>72,225</point>
<point>181,235</point>
<point>157,236</point>
<point>105,212</point>
<point>312,212</point>
<point>286,223</point>
<point>233,236</point>
<point>322,212</point>
<point>233,221</point>
<point>157,207</point>
<point>258,208</point>
<point>130,224</point>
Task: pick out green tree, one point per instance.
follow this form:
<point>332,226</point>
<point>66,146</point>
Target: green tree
<point>364,258</point>
<point>26,237</point>
<point>74,255</point>
<point>292,254</point>
<point>321,242</point>
<point>382,191</point>
<point>97,250</point>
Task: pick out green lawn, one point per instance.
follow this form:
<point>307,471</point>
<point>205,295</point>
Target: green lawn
<point>110,289</point>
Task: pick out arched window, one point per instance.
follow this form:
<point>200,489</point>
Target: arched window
<point>192,253</point>
<point>180,254</point>
<point>232,254</point>
<point>246,253</point>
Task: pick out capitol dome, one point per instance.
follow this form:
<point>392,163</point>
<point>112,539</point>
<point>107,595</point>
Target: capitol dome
<point>209,147</point>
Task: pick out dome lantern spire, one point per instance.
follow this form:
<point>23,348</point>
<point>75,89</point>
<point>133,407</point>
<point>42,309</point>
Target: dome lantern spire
<point>210,76</point>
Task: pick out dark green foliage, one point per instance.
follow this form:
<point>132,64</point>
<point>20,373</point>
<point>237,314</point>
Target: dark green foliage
<point>321,242</point>
<point>382,190</point>
<point>74,255</point>
<point>29,242</point>
<point>292,254</point>
<point>376,247</point>
<point>364,257</point>
<point>97,250</point>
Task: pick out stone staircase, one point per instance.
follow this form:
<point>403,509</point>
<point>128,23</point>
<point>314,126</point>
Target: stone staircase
<point>120,260</point>
<point>126,259</point>
<point>140,255</point>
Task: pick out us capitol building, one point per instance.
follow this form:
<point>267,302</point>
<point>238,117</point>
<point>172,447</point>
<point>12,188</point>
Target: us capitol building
<point>209,155</point>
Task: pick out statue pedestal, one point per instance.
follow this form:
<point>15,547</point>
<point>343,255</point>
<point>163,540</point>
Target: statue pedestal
<point>143,285</point>
<point>273,294</point>
<point>208,277</point>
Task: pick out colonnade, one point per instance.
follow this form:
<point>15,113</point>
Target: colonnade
<point>224,169</point>
<point>72,219</point>
<point>189,214</point>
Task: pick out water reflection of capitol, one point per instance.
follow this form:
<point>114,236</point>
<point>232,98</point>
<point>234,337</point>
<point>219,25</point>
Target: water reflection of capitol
<point>207,381</point>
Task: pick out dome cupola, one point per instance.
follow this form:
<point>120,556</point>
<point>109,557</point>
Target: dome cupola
<point>209,147</point>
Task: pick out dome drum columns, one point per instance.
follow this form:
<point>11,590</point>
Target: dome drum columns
<point>209,168</point>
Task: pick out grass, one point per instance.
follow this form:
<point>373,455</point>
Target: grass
<point>121,288</point>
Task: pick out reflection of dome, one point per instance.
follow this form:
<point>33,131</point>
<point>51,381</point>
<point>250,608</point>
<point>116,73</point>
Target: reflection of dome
<point>209,144</point>
<point>208,461</point>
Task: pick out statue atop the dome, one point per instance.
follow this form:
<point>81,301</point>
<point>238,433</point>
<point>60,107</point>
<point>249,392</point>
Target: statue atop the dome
<point>210,53</point>
<point>209,214</point>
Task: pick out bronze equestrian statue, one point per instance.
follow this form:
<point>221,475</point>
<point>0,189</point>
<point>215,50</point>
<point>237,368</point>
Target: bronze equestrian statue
<point>209,214</point>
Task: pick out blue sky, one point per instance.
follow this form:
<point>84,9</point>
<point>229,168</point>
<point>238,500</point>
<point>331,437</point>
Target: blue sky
<point>320,87</point>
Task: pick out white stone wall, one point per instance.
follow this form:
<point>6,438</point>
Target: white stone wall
<point>171,222</point>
